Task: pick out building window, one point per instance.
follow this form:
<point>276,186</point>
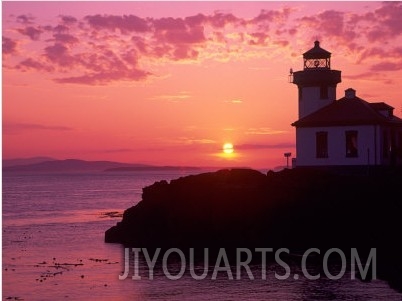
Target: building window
<point>385,144</point>
<point>321,139</point>
<point>351,143</point>
<point>324,92</point>
<point>399,150</point>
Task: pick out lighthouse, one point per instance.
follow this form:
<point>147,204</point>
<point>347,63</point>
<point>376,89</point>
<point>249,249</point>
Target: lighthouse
<point>346,132</point>
<point>317,81</point>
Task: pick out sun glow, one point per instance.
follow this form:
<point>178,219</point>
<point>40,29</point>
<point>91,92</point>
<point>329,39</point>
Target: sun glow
<point>228,148</point>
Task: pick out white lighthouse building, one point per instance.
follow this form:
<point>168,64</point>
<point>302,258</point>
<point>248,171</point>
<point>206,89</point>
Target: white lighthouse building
<point>345,132</point>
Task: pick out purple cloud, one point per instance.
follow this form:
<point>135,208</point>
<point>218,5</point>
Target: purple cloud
<point>387,66</point>
<point>190,35</point>
<point>31,32</point>
<point>381,24</point>
<point>196,20</point>
<point>61,29</point>
<point>59,54</point>
<point>17,128</point>
<point>168,38</point>
<point>8,45</point>
<point>259,38</point>
<point>378,52</point>
<point>370,75</point>
<point>268,16</point>
<point>390,14</point>
<point>30,63</point>
<point>169,24</point>
<point>25,19</point>
<point>65,38</point>
<point>68,19</point>
<point>220,20</point>
<point>103,78</point>
<point>332,24</point>
<point>126,23</point>
<point>99,49</point>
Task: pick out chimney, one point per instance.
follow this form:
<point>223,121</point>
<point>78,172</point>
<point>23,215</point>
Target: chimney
<point>350,93</point>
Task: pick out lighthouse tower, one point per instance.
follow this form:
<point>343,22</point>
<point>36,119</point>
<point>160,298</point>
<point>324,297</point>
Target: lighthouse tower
<point>317,82</point>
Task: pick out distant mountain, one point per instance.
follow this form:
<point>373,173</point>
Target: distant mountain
<point>69,165</point>
<point>75,165</point>
<point>152,168</point>
<point>25,161</point>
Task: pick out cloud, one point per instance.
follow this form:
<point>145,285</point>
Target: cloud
<point>105,77</point>
<point>30,64</point>
<point>192,141</point>
<point>362,35</point>
<point>30,31</point>
<point>102,66</point>
<point>281,43</point>
<point>332,24</point>
<point>59,28</point>
<point>370,76</point>
<point>126,23</point>
<point>101,49</point>
<point>131,150</point>
<point>265,146</point>
<point>8,45</point>
<point>365,75</point>
<point>25,19</point>
<point>234,101</point>
<point>179,39</point>
<point>381,53</point>
<point>220,20</point>
<point>59,54</point>
<point>258,38</point>
<point>65,38</point>
<point>263,131</point>
<point>17,128</point>
<point>389,17</point>
<point>381,24</point>
<point>186,35</point>
<point>268,17</point>
<point>180,96</point>
<point>68,19</point>
<point>387,66</point>
<point>118,150</point>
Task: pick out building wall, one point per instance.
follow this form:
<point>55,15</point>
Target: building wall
<point>309,100</point>
<point>369,151</point>
<point>390,139</point>
<point>399,146</point>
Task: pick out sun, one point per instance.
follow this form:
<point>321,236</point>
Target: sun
<point>228,148</point>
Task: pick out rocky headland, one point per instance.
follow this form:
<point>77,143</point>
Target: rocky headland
<point>293,208</point>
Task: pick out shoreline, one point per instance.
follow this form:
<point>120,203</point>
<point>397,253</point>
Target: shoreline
<point>298,208</point>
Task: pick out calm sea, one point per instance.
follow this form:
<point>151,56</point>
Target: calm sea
<point>53,248</point>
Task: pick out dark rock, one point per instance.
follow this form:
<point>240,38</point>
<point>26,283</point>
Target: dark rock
<point>293,208</point>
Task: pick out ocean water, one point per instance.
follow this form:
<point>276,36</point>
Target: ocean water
<point>53,248</point>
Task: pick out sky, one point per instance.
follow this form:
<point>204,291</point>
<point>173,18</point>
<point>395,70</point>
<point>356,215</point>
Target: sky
<point>169,83</point>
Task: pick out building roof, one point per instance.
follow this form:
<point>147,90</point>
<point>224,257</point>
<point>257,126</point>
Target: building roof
<point>350,110</point>
<point>316,52</point>
<point>380,106</point>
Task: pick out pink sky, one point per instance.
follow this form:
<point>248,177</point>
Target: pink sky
<point>171,82</point>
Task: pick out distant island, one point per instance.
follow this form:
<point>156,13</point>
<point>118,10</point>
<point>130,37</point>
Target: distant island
<point>45,164</point>
<point>293,208</point>
<point>152,168</point>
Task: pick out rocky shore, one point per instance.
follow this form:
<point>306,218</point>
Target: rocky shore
<point>295,209</point>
